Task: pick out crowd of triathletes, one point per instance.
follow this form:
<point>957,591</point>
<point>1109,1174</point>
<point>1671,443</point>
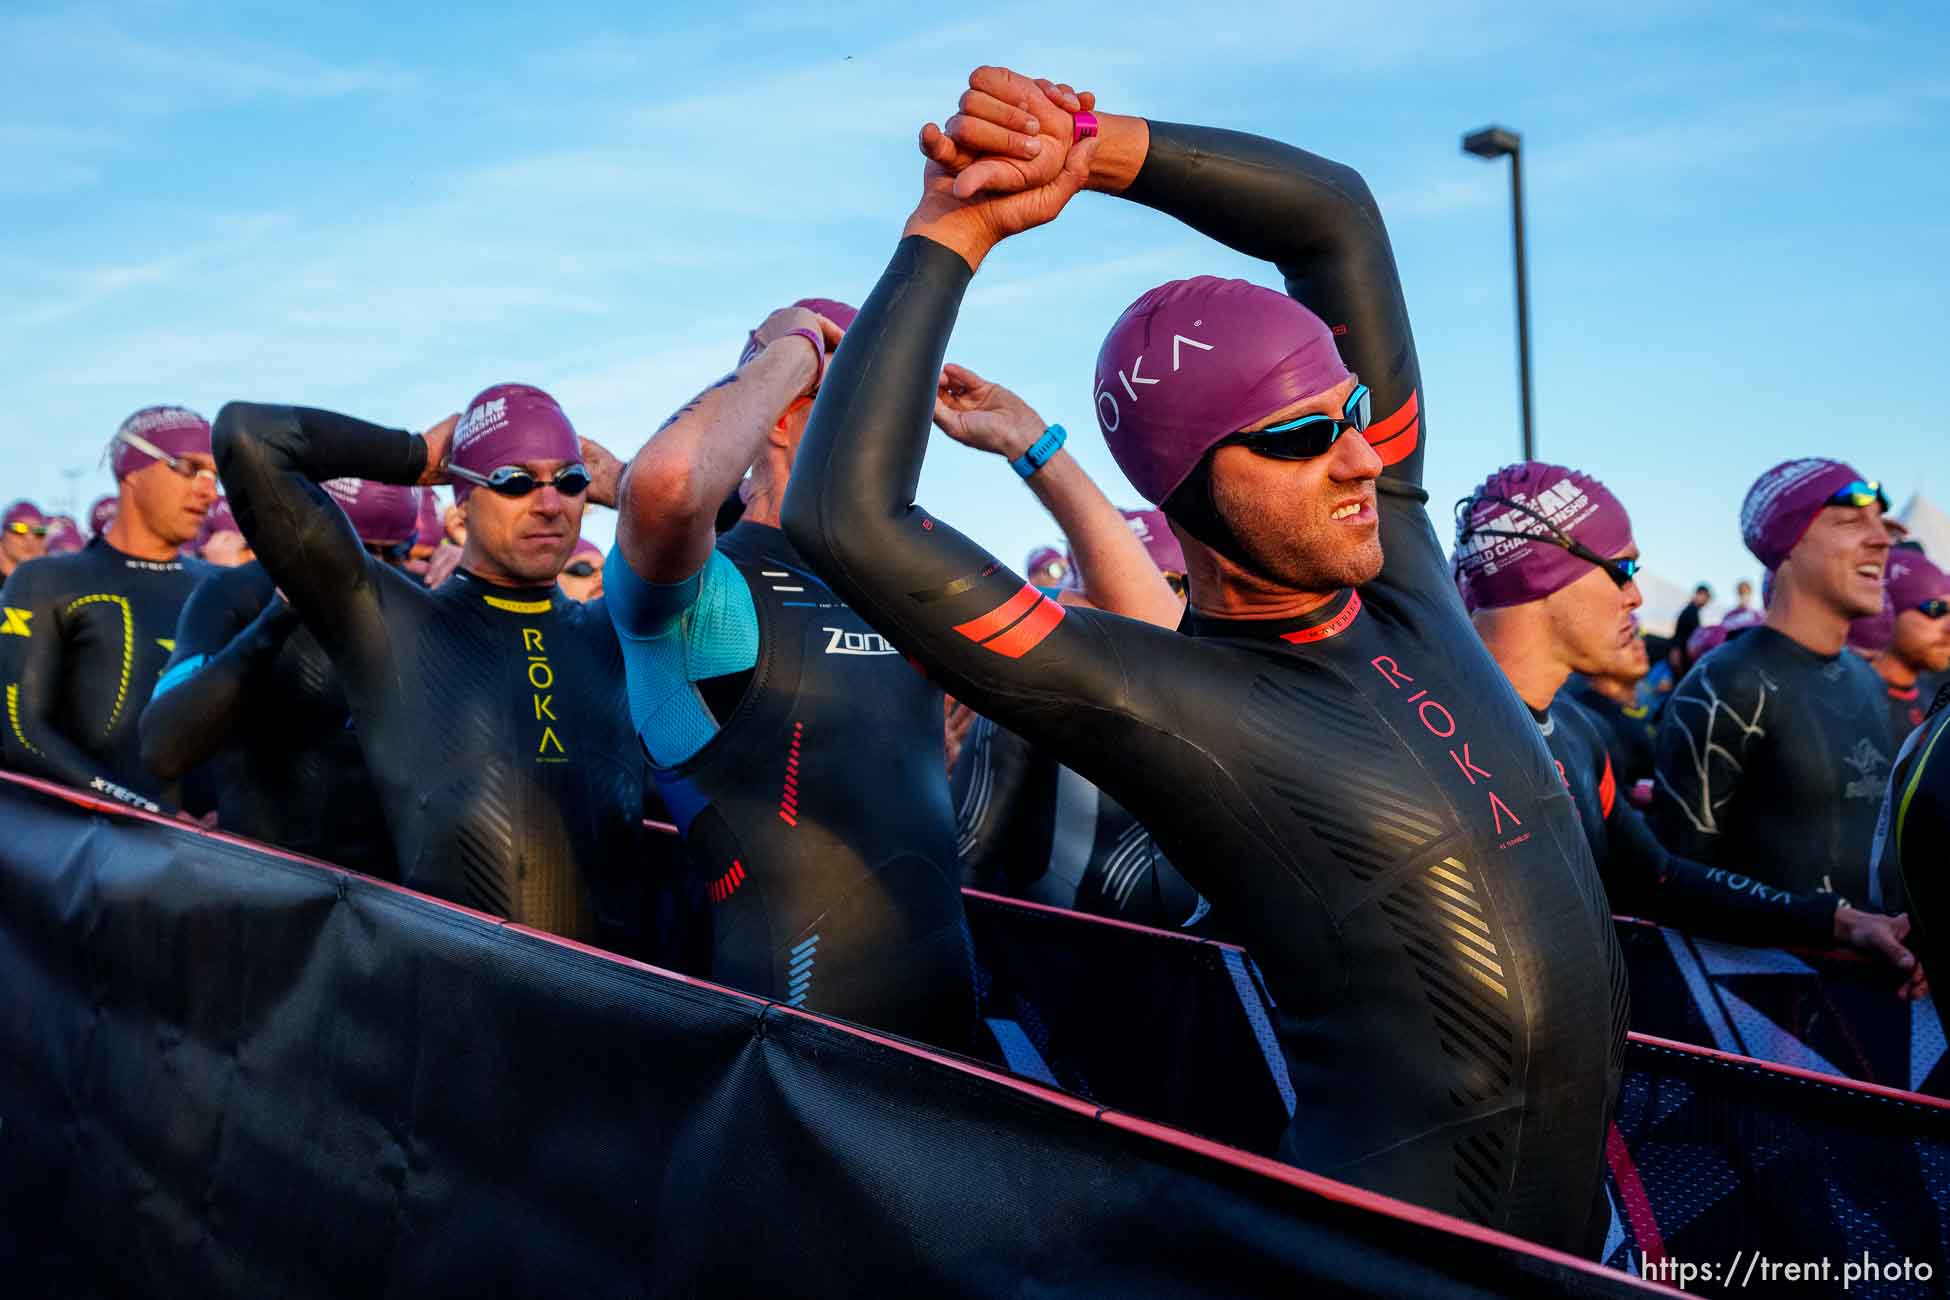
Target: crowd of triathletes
<point>1264,708</point>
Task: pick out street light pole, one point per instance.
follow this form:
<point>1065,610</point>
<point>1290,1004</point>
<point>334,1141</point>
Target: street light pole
<point>1490,143</point>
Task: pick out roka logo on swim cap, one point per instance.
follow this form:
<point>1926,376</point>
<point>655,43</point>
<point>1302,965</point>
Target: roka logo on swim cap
<point>1194,361</point>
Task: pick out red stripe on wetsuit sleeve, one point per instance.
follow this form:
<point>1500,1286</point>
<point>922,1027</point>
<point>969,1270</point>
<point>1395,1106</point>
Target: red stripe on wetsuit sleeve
<point>1028,634</point>
<point>1394,437</point>
<point>1607,788</point>
<point>981,629</point>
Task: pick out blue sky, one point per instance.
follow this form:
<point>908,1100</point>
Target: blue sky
<point>1737,218</point>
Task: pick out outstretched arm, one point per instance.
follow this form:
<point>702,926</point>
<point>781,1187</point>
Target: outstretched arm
<point>221,645</point>
<point>271,460</point>
<point>1312,218</point>
<point>32,671</point>
<point>1118,573</point>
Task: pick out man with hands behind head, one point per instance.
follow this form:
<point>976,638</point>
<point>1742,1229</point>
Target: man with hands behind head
<point>799,755</point>
<point>1331,757</point>
<point>491,712</point>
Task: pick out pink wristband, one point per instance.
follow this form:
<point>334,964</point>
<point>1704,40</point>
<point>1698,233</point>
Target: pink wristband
<point>819,351</point>
<point>1086,127</point>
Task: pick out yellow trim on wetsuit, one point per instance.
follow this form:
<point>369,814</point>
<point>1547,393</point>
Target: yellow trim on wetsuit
<point>520,606</point>
<point>13,716</point>
<point>128,650</point>
<point>1915,779</point>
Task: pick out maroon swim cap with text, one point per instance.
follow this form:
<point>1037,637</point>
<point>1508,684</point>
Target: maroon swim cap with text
<point>1785,500</point>
<point>171,430</point>
<point>383,514</point>
<point>1500,569</point>
<point>1195,361</point>
<point>102,513</point>
<point>510,424</point>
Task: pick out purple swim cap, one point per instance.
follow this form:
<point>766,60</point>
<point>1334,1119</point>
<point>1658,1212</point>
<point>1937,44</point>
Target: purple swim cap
<point>1704,639</point>
<point>511,424</point>
<point>172,430</point>
<point>63,535</point>
<point>382,514</point>
<point>1194,361</point>
<point>1742,618</point>
<point>1501,570</point>
<point>22,512</point>
<point>426,523</point>
<point>1785,500</point>
<point>218,520</point>
<point>586,547</point>
<point>1913,579</point>
<point>831,308</point>
<point>1159,541</point>
<point>102,513</point>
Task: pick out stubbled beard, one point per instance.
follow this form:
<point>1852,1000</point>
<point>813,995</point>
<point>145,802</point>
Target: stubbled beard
<point>1307,553</point>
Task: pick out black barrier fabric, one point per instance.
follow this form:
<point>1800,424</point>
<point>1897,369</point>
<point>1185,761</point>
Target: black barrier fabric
<point>1736,1178</point>
<point>227,1073</point>
<point>1715,1160</point>
<point>1179,1026</point>
<point>1832,1013</point>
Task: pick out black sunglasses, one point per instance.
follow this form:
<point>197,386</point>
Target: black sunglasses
<point>1620,571</point>
<point>515,481</point>
<point>1310,435</point>
<point>580,569</point>
<point>1934,608</point>
<point>392,552</point>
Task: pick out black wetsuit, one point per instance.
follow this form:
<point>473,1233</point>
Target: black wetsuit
<point>250,690</point>
<point>492,719</point>
<point>1909,705</point>
<point>83,639</point>
<point>815,801</point>
<point>1643,878</point>
<point>1359,793</point>
<point>1031,828</point>
<point>1630,736</point>
<point>1772,762</point>
<point>1913,837</point>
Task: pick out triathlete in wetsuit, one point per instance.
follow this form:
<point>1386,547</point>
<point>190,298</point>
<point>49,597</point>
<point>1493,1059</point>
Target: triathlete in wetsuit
<point>1627,724</point>
<point>491,712</point>
<point>1913,834</point>
<point>251,689</point>
<point>1548,564</point>
<point>1330,757</point>
<point>799,755</point>
<point>85,635</point>
<point>1914,662</point>
<point>1774,750</point>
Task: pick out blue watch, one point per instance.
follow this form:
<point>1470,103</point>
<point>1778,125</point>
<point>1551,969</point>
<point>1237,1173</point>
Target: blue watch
<point>1040,451</point>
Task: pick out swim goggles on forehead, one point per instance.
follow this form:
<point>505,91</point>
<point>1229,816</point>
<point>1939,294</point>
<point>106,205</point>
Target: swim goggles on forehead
<point>1309,435</point>
<point>1934,608</point>
<point>580,569</point>
<point>1620,571</point>
<point>181,465</point>
<point>21,528</point>
<point>516,481</point>
<point>1861,494</point>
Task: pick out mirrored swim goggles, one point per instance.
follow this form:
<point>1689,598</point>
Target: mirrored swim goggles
<point>21,528</point>
<point>1620,571</point>
<point>178,464</point>
<point>1861,494</point>
<point>518,481</point>
<point>1309,435</point>
<point>580,569</point>
<point>1934,608</point>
